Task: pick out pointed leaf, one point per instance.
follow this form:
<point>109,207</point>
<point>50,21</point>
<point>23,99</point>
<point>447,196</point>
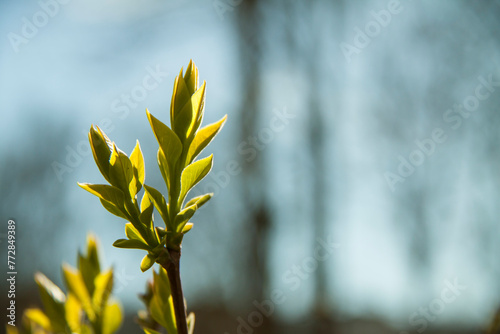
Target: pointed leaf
<point>137,160</point>
<point>74,313</point>
<point>101,151</point>
<point>121,171</point>
<point>53,300</point>
<point>38,317</point>
<point>199,200</point>
<point>164,168</point>
<point>183,216</point>
<point>108,193</point>
<point>113,317</point>
<point>133,234</point>
<point>167,139</point>
<point>161,304</point>
<point>147,262</point>
<point>191,77</point>
<point>187,228</point>
<point>103,287</point>
<point>133,244</point>
<point>76,286</point>
<point>203,137</point>
<point>159,202</point>
<point>180,96</point>
<point>193,174</point>
<point>150,331</point>
<point>112,208</point>
<point>186,119</point>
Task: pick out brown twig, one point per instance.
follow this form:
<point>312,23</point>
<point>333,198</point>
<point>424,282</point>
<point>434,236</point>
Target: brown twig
<point>171,264</point>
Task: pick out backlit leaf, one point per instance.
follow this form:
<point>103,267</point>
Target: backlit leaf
<point>193,174</point>
<point>167,139</point>
<point>203,137</point>
<point>113,317</point>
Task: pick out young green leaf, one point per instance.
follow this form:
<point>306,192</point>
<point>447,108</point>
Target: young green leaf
<point>137,160</point>
<point>110,194</point>
<point>121,172</point>
<point>159,202</point>
<point>164,169</point>
<point>53,300</point>
<point>161,304</point>
<point>187,227</point>
<point>132,244</point>
<point>182,217</point>
<point>39,318</point>
<point>186,120</point>
<point>103,287</point>
<point>113,317</point>
<point>100,145</point>
<point>203,137</point>
<point>193,174</point>
<point>199,200</point>
<point>76,286</point>
<point>167,139</point>
<point>147,262</point>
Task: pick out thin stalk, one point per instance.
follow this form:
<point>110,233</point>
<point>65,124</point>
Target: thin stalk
<point>171,264</point>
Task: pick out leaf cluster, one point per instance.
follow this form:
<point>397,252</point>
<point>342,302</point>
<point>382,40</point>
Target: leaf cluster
<point>179,146</point>
<point>86,308</point>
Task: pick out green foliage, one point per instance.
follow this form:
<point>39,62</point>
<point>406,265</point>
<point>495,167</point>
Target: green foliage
<point>87,307</point>
<point>159,306</point>
<point>179,146</point>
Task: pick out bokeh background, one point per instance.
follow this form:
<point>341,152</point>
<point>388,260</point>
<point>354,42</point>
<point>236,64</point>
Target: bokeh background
<point>371,127</point>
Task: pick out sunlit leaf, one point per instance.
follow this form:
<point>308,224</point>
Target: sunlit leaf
<point>186,119</point>
<point>164,168</point>
<point>103,287</point>
<point>121,171</point>
<point>133,244</point>
<point>187,228</point>
<point>76,286</point>
<point>38,317</point>
<point>199,200</point>
<point>101,151</point>
<point>53,300</point>
<point>167,139</point>
<point>107,193</point>
<point>147,262</point>
<point>203,137</point>
<point>73,310</point>
<point>193,174</point>
<point>113,317</point>
<point>159,202</point>
<point>137,160</point>
<point>161,305</point>
<point>183,216</point>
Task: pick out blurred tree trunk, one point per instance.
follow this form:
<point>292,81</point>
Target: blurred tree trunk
<point>256,211</point>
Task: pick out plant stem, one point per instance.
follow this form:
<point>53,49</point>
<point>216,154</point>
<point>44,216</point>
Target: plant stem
<point>172,266</point>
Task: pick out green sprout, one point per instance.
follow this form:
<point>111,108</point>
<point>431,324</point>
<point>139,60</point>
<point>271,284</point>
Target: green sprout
<point>179,147</point>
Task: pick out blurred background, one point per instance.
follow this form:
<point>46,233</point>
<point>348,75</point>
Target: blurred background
<point>357,179</point>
